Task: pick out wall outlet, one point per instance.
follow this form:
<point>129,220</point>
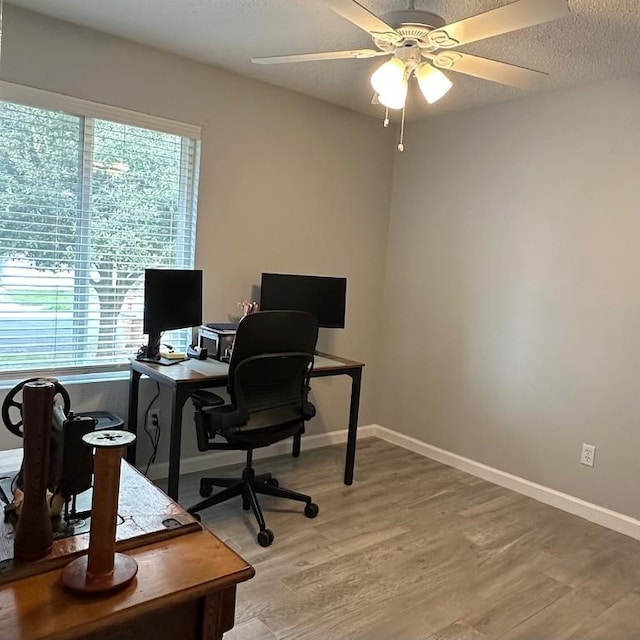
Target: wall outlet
<point>154,420</point>
<point>588,455</point>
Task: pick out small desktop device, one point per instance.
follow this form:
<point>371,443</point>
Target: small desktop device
<point>322,296</point>
<point>172,300</point>
<point>216,338</point>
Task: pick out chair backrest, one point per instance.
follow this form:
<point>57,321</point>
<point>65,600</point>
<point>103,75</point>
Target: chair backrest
<point>270,365</point>
<point>273,332</point>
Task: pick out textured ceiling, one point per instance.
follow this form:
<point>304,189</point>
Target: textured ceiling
<point>599,40</point>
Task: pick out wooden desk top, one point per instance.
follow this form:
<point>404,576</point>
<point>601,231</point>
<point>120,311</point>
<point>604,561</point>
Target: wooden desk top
<point>324,361</point>
<point>209,370</point>
<point>169,573</point>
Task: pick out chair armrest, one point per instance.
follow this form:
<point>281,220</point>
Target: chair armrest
<point>203,398</point>
<point>308,410</point>
<point>224,418</point>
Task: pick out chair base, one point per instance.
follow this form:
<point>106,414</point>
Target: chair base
<point>248,486</point>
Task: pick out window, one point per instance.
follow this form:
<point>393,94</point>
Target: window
<point>86,204</point>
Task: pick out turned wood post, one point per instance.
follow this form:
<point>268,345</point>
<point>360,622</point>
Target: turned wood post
<point>34,534</point>
<point>103,569</point>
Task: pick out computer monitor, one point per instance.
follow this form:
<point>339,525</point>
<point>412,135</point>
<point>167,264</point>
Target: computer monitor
<point>172,300</point>
<point>323,296</point>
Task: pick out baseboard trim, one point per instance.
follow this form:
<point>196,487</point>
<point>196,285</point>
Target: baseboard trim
<point>594,513</point>
<point>589,511</point>
<point>216,459</point>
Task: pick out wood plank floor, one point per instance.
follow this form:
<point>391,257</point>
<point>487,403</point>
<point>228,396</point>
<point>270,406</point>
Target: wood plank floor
<point>416,550</point>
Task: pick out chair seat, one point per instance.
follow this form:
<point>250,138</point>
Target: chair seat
<point>263,437</point>
<point>228,420</point>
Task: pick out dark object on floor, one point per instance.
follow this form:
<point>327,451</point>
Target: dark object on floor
<point>268,385</point>
<point>104,419</point>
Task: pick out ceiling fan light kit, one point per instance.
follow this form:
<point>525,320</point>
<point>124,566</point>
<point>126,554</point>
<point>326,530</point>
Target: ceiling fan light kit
<point>394,99</point>
<point>390,83</point>
<point>414,37</point>
<point>433,83</point>
<point>389,77</point>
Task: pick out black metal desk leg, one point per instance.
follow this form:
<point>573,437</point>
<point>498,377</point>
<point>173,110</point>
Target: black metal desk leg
<point>132,419</point>
<point>349,463</point>
<point>178,399</point>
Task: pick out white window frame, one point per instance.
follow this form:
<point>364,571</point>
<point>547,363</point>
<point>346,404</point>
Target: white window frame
<point>40,98</point>
<point>79,107</point>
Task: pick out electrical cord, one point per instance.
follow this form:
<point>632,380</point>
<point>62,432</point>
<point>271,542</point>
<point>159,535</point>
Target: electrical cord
<point>153,437</point>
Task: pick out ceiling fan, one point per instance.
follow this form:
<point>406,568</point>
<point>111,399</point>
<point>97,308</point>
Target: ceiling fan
<point>420,44</point>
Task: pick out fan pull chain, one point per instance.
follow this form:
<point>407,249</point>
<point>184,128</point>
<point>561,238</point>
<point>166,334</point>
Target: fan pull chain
<point>386,113</point>
<point>401,144</point>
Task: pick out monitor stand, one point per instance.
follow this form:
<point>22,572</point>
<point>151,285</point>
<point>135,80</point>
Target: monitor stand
<point>151,353</point>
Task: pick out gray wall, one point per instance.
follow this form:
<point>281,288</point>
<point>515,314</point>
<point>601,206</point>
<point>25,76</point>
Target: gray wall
<point>511,303</point>
<point>287,183</point>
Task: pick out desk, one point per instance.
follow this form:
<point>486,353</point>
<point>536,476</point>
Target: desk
<point>185,377</point>
<point>185,588</point>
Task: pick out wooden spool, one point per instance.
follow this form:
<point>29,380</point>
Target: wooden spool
<point>34,534</point>
<point>103,569</point>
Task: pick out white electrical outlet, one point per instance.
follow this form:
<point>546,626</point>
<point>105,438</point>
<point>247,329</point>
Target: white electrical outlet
<point>588,455</point>
<point>154,419</point>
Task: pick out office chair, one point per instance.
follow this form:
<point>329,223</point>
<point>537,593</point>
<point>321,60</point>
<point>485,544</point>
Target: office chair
<point>268,386</point>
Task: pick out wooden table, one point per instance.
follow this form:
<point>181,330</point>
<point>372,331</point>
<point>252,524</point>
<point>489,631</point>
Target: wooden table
<point>191,375</point>
<point>185,588</point>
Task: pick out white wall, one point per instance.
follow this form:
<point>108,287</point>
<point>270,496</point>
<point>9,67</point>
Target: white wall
<point>512,301</point>
<point>287,183</point>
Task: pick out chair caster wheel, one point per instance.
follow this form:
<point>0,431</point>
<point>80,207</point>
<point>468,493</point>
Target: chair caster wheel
<point>273,482</point>
<point>311,510</point>
<point>265,538</point>
<point>205,489</point>
<point>197,516</point>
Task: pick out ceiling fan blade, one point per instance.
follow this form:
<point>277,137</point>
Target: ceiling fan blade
<point>493,70</point>
<point>511,17</point>
<point>363,18</point>
<point>327,55</point>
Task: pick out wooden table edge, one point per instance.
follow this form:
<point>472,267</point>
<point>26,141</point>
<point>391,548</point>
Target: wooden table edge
<point>345,361</point>
<point>217,585</point>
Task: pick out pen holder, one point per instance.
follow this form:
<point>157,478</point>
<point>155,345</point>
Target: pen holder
<point>247,307</point>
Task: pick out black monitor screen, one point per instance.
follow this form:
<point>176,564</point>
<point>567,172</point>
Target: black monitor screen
<point>172,299</point>
<point>324,297</point>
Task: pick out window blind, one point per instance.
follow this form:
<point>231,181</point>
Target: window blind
<point>86,204</point>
